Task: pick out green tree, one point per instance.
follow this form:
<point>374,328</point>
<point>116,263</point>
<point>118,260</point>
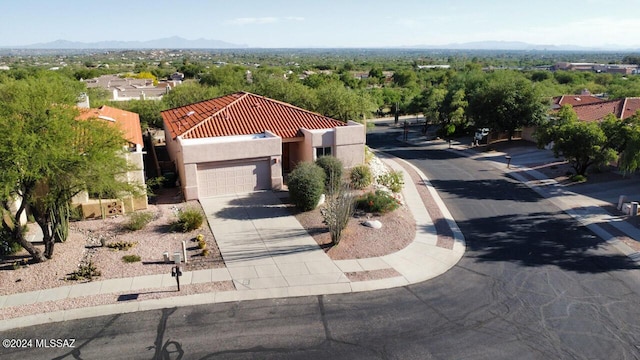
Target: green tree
<point>228,79</point>
<point>47,156</point>
<point>148,110</point>
<point>189,93</point>
<point>376,72</point>
<point>338,102</point>
<point>624,137</point>
<point>405,78</point>
<point>506,102</point>
<point>291,92</point>
<point>583,144</point>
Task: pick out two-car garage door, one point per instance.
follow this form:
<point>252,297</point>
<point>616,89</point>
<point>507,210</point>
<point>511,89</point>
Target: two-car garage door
<point>219,178</point>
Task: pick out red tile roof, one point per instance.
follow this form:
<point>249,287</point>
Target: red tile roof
<point>242,113</point>
<point>128,122</point>
<point>575,100</point>
<point>621,108</point>
<point>631,107</point>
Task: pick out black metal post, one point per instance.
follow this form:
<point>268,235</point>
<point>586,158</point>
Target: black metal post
<point>176,272</point>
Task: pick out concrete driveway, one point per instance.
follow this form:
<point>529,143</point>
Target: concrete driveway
<point>264,246</point>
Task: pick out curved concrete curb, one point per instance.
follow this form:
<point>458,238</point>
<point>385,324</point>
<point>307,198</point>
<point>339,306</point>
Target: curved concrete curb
<point>569,202</point>
<point>419,261</point>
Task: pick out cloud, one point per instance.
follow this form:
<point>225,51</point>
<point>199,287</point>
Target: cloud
<point>262,20</point>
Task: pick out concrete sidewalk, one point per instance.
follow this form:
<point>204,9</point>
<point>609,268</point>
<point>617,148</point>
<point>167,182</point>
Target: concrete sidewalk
<point>587,207</point>
<point>267,255</point>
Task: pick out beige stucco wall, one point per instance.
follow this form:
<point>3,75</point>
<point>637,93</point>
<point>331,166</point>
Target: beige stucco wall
<point>349,144</point>
<point>527,134</point>
<point>131,204</point>
<point>198,151</point>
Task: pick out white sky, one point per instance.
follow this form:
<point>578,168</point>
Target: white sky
<point>327,23</point>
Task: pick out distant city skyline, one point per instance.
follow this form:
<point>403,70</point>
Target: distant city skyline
<point>328,24</point>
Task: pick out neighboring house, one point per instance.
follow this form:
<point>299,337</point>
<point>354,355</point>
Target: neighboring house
<point>125,89</point>
<point>244,142</point>
<point>626,69</point>
<point>585,100</point>
<point>177,76</point>
<point>129,123</point>
<point>621,108</point>
<point>575,100</point>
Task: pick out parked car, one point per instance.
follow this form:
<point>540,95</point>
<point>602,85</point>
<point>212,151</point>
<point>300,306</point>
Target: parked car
<point>481,135</point>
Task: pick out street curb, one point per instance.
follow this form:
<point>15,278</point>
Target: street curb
<point>513,172</point>
<point>446,214</point>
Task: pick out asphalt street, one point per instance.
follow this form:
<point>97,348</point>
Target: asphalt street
<point>532,285</point>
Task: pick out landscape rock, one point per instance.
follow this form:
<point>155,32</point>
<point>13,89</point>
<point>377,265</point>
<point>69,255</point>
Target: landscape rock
<point>375,224</point>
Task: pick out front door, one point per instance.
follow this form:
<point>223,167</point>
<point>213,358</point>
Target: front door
<point>286,160</point>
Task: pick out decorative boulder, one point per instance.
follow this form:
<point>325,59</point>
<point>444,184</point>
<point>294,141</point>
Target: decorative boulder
<point>374,224</point>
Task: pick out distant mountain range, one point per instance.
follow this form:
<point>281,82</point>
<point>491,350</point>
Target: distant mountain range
<point>177,42</point>
<point>174,42</point>
<point>522,46</point>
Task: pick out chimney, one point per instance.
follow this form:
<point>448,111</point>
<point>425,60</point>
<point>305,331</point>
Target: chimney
<point>83,101</point>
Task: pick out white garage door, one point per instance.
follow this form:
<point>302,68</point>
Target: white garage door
<point>221,178</point>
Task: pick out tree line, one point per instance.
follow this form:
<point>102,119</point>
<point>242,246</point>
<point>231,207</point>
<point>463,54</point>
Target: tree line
<point>45,162</point>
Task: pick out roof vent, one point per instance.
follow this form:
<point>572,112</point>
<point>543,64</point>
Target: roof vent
<point>106,118</point>
<point>190,113</point>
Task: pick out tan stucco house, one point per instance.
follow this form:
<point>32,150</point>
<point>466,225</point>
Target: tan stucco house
<point>129,124</point>
<point>244,142</point>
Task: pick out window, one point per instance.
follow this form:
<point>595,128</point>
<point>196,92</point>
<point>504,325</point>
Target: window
<point>323,151</point>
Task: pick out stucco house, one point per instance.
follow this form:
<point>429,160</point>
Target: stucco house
<point>244,142</point>
<point>129,124</point>
<point>125,89</point>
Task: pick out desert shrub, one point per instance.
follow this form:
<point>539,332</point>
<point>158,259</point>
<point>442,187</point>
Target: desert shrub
<point>394,180</point>
<point>121,245</point>
<point>138,220</point>
<point>332,167</point>
<point>306,184</point>
<point>337,211</point>
<point>131,258</point>
<point>361,177</point>
<point>75,213</point>
<point>380,202</point>
<point>368,155</point>
<point>189,219</point>
<point>85,271</point>
<point>205,252</point>
<point>202,244</point>
<point>8,245</point>
<point>578,178</point>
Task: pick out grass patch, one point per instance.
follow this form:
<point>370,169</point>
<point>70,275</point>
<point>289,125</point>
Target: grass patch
<point>578,178</point>
<point>131,258</point>
<point>121,245</point>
